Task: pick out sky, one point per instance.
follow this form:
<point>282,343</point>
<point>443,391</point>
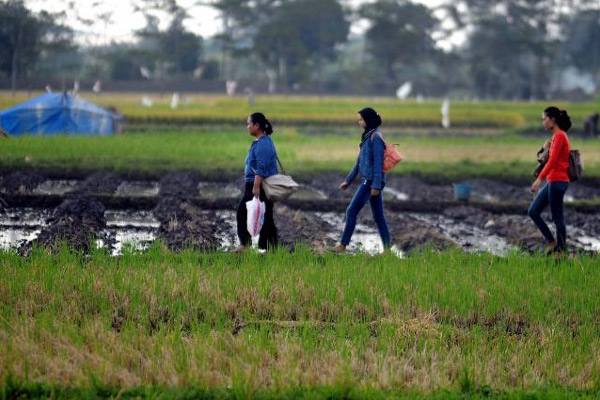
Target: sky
<point>124,21</point>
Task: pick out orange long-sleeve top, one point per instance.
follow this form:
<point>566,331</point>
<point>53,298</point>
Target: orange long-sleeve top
<point>556,169</point>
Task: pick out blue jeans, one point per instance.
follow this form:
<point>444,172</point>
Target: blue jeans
<point>552,193</point>
<point>361,197</point>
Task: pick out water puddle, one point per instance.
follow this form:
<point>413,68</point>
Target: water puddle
<point>569,198</point>
<point>583,240</point>
<point>136,219</point>
<point>134,229</point>
<point>469,237</point>
<point>227,232</point>
<point>21,226</point>
<point>212,190</point>
<point>364,240</point>
<point>137,189</point>
<point>393,194</point>
<point>56,187</point>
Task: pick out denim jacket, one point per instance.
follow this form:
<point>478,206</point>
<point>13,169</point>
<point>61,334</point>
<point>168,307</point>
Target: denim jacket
<point>370,161</point>
<point>261,159</point>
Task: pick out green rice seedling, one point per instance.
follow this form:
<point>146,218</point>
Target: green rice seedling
<point>431,323</point>
<point>223,153</point>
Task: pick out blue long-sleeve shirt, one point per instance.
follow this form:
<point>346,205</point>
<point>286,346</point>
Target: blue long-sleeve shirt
<point>369,163</point>
<point>261,159</point>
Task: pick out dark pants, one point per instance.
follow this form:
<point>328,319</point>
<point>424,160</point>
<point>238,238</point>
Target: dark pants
<point>552,193</point>
<point>268,232</point>
<point>360,199</point>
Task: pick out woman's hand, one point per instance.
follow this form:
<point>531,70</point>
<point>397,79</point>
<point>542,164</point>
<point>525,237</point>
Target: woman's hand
<point>536,185</point>
<point>343,185</point>
<point>256,191</point>
<point>547,144</point>
<point>375,192</point>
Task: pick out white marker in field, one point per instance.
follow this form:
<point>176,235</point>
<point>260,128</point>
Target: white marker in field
<point>97,88</point>
<point>404,90</point>
<point>147,101</point>
<point>230,87</point>
<point>174,100</point>
<point>446,114</point>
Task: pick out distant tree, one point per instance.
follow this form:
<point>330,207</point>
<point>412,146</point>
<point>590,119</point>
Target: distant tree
<point>241,19</point>
<point>174,51</point>
<point>400,34</point>
<point>513,45</point>
<point>183,48</point>
<point>19,38</point>
<point>582,44</point>
<point>301,36</point>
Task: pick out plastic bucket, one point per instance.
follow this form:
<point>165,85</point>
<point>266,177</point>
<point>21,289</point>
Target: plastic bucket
<point>462,192</point>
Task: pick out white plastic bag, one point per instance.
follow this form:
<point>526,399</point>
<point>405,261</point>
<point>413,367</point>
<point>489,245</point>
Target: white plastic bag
<point>255,216</point>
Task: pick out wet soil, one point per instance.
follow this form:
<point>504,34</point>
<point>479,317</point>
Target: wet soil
<point>76,222</point>
<point>20,182</point>
<point>190,212</point>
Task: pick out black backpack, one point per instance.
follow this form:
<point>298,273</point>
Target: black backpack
<point>575,166</point>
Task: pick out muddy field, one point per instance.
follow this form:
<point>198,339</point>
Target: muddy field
<point>184,210</point>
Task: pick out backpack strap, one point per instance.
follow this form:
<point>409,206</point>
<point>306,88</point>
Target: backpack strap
<point>377,132</point>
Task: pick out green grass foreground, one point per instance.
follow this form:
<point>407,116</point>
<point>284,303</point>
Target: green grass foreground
<point>298,325</point>
<point>218,152</point>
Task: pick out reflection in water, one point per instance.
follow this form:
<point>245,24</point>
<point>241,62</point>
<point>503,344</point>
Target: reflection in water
<point>19,226</point>
<point>137,229</point>
<point>215,190</point>
<point>55,187</point>
<point>137,189</point>
<point>364,240</point>
<point>469,237</point>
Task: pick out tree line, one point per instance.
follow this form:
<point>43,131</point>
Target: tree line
<point>510,49</point>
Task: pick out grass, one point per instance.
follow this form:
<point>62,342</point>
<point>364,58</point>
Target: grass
<point>223,152</point>
<point>326,110</point>
<point>299,324</point>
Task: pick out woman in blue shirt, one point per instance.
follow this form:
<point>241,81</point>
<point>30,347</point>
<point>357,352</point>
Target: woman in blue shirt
<point>261,163</point>
<point>370,167</point>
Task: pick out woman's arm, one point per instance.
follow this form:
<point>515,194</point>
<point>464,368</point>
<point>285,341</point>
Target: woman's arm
<point>350,177</point>
<point>257,182</point>
<point>378,149</point>
<point>556,149</point>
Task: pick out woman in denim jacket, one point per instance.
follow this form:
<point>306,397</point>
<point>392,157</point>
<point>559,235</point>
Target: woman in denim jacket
<point>261,163</point>
<point>370,167</point>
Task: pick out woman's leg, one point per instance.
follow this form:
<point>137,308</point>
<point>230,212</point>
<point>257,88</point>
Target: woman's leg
<point>241,216</point>
<point>535,212</point>
<point>377,211</point>
<point>268,234</point>
<point>556,197</point>
<point>358,202</point>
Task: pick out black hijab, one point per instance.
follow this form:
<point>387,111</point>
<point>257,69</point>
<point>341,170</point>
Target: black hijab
<point>371,118</point>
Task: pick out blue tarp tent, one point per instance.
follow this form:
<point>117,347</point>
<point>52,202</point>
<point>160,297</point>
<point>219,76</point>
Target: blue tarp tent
<point>58,113</point>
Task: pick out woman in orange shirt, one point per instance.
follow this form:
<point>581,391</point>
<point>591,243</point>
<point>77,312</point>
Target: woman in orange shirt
<point>556,175</point>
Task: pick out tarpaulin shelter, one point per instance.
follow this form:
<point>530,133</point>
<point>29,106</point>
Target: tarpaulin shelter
<point>59,113</point>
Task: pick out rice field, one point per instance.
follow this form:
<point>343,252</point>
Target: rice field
<point>298,325</point>
<point>196,324</point>
<point>224,151</point>
<point>322,111</point>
